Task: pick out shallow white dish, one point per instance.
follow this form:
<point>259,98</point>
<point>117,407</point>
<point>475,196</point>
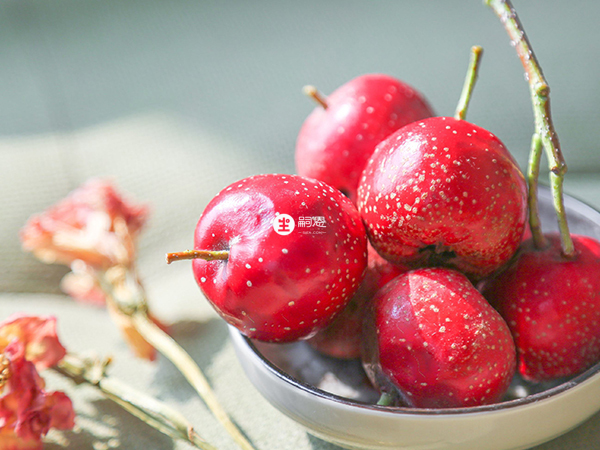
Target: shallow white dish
<point>333,400</point>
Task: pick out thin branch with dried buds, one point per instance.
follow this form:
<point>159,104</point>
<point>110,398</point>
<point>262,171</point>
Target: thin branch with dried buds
<point>156,414</point>
<point>94,230</point>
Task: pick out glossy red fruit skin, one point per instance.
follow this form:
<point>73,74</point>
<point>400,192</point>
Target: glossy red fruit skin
<point>443,191</point>
<point>343,337</point>
<point>552,306</point>
<point>335,143</point>
<point>437,342</point>
<point>277,287</point>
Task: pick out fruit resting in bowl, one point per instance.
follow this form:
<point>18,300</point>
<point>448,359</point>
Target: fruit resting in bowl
<point>266,271</point>
<point>440,204</point>
<point>552,305</point>
<point>433,340</point>
<point>338,137</point>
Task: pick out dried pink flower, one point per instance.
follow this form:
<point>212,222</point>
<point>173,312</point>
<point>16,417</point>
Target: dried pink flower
<point>27,410</point>
<point>10,441</point>
<point>37,334</point>
<point>94,223</point>
<point>93,230</point>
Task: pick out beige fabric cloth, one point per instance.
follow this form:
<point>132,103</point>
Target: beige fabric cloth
<point>175,100</point>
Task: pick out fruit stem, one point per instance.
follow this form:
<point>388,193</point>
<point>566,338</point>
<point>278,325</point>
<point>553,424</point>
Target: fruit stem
<point>533,172</point>
<point>385,399</point>
<point>206,255</point>
<point>471,78</point>
<point>540,97</point>
<point>313,92</point>
<point>148,409</point>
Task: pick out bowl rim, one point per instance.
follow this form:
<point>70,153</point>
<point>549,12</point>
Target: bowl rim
<point>571,383</point>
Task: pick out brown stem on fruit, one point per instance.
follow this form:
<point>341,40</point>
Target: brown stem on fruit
<point>533,172</point>
<point>467,90</point>
<point>206,255</point>
<point>312,92</point>
<point>540,97</point>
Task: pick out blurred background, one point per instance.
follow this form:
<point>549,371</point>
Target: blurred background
<point>175,100</point>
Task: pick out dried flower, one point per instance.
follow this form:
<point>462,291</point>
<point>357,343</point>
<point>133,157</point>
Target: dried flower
<point>38,335</point>
<point>93,224</point>
<point>27,410</point>
<point>93,230</point>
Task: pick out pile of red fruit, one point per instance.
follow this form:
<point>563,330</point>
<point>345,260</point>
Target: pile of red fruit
<point>401,241</point>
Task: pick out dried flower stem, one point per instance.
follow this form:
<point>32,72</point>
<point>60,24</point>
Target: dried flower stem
<point>130,299</point>
<point>156,414</point>
<point>169,348</point>
<point>471,78</point>
<point>4,370</point>
<point>544,127</point>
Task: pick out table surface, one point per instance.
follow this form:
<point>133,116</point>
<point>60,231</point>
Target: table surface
<point>176,100</point>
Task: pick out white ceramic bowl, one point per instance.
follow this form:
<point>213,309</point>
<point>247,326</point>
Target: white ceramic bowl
<point>333,400</point>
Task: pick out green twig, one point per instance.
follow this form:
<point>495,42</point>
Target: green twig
<point>156,414</point>
<point>533,172</point>
<point>544,127</point>
<point>467,90</point>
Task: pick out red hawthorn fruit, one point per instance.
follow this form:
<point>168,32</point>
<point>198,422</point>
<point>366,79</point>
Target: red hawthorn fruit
<point>434,340</point>
<point>263,272</point>
<point>336,141</point>
<point>552,306</point>
<point>444,192</point>
<point>343,337</point>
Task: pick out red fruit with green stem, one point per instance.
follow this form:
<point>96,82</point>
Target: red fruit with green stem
<point>433,340</point>
<point>343,338</point>
<point>550,295</point>
<point>442,191</point>
<point>267,274</point>
<point>552,305</point>
<point>338,137</point>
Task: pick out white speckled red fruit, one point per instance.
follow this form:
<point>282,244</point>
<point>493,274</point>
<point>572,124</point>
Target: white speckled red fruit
<point>552,306</point>
<point>280,284</point>
<point>335,143</point>
<point>435,340</point>
<point>443,191</point>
